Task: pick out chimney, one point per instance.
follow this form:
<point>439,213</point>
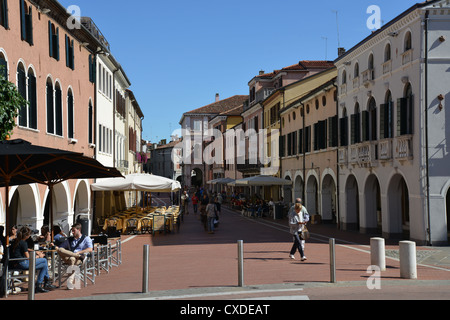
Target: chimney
<point>261,72</point>
<point>341,51</point>
<point>217,97</point>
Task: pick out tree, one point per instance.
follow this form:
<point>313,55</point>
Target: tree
<point>10,103</point>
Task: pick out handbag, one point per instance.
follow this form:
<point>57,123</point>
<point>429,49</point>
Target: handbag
<point>305,235</point>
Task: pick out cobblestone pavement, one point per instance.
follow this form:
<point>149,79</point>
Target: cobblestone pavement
<point>195,265</point>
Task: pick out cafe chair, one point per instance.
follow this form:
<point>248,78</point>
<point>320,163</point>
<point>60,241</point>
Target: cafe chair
<point>14,277</point>
<point>132,226</point>
<point>146,225</point>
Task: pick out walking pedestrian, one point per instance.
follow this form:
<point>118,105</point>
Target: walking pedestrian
<point>185,203</point>
<point>211,215</point>
<point>296,222</point>
<point>195,202</point>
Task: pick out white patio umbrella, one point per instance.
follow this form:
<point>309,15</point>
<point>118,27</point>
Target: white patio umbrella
<point>137,182</point>
<point>261,181</point>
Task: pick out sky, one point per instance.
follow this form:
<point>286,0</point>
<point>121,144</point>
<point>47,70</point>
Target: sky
<point>178,54</point>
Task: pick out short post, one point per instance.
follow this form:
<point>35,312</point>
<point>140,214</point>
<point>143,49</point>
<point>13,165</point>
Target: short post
<point>332,260</point>
<point>145,269</point>
<point>378,253</point>
<point>241,263</point>
<point>408,262</point>
<point>31,275</point>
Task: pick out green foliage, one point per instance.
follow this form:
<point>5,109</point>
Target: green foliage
<point>10,102</point>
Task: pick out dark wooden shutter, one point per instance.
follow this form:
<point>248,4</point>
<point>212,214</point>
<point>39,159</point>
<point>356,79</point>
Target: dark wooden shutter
<point>30,26</point>
<point>50,39</point>
<point>72,55</point>
<point>23,27</point>
<point>3,68</point>
<point>300,141</point>
<point>383,121</point>
<point>22,88</point>
<point>344,131</point>
<point>58,112</point>
<point>50,111</point>
<point>90,123</point>
<point>32,98</point>
<point>365,125</point>
<point>4,13</point>
<point>67,52</point>
<point>70,116</point>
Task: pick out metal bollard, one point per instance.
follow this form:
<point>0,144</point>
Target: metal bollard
<point>408,262</point>
<point>378,253</point>
<point>145,269</point>
<point>332,260</point>
<point>241,263</point>
<point>32,275</point>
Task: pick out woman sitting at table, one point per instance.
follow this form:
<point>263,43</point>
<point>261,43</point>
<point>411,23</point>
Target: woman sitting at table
<point>19,250</point>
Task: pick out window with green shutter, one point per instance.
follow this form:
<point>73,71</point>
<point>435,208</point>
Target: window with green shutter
<point>70,58</point>
<point>26,22</point>
<point>4,14</point>
<point>53,39</point>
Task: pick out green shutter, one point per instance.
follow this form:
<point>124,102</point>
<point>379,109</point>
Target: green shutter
<point>56,43</point>
<point>50,39</point>
<point>32,109</point>
<point>72,55</point>
<point>23,28</point>
<point>383,122</point>
<point>29,26</point>
<point>67,52</point>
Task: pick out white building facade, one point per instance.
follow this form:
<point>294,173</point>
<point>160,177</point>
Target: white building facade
<point>394,176</point>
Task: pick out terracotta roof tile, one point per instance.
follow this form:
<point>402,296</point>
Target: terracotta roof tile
<point>220,106</point>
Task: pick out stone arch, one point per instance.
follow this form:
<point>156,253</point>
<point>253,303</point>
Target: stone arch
<point>398,207</point>
<point>372,203</point>
<point>352,203</point>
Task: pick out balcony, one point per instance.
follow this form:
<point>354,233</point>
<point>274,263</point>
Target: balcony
<point>387,67</point>
<point>385,149</point>
<point>261,95</point>
<point>403,148</point>
<point>368,76</point>
<point>356,83</point>
<point>343,88</point>
<point>407,57</point>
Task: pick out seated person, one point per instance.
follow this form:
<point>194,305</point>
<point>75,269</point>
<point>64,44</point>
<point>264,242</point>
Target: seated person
<point>73,251</point>
<point>58,236</point>
<point>45,236</point>
<point>19,250</point>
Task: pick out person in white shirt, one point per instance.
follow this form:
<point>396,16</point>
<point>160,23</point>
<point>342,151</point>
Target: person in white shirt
<point>298,217</point>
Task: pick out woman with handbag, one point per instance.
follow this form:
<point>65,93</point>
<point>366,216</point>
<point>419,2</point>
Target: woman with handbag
<point>297,223</point>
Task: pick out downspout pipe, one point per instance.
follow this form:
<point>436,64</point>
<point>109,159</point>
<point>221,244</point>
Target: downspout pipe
<point>426,129</point>
<point>337,164</point>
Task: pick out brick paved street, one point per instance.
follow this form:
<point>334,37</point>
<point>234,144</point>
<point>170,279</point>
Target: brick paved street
<point>196,261</point>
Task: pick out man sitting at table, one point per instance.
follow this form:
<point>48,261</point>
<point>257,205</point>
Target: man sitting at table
<point>74,250</point>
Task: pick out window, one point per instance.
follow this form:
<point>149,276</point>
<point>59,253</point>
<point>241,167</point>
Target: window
<point>50,107</point>
<point>90,122</point>
<point>320,135</point>
<point>387,52</point>
<point>22,88</point>
<point>70,58</point>
<point>70,118</point>
<point>92,68</point>
<point>53,40</point>
<point>371,120</point>
<point>387,117</point>
<point>333,131</point>
<point>355,135</point>
<point>26,22</point>
<point>3,66</point>
<point>343,128</point>
<point>4,14</point>
<point>356,71</point>
<point>344,77</point>
<point>58,111</point>
<point>370,62</point>
<point>32,99</point>
<point>408,42</point>
<point>405,109</point>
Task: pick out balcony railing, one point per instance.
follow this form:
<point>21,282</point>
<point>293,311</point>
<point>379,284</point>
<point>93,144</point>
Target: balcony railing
<point>387,67</point>
<point>369,153</point>
<point>407,57</point>
<point>368,76</point>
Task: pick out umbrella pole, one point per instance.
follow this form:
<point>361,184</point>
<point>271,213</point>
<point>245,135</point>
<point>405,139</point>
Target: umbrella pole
<point>50,186</point>
<point>7,212</point>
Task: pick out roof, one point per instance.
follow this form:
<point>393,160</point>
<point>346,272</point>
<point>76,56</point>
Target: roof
<point>219,106</point>
<point>303,65</point>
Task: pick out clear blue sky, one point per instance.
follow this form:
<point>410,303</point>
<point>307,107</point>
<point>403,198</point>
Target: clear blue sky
<point>179,53</point>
